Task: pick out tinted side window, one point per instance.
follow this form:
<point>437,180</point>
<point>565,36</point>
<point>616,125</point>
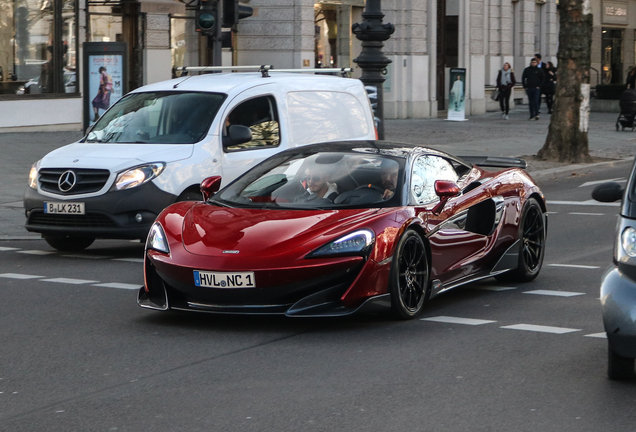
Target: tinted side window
<point>427,169</point>
<point>261,116</point>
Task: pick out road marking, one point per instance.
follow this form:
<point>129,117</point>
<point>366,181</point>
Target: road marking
<point>35,252</point>
<point>3,248</point>
<point>495,288</point>
<point>541,329</point>
<point>587,214</point>
<point>597,335</point>
<point>135,260</point>
<point>456,320</point>
<point>69,281</point>
<point>554,293</point>
<point>95,257</point>
<point>552,213</point>
<point>597,182</point>
<point>119,285</point>
<point>587,203</point>
<point>19,276</point>
<point>574,266</point>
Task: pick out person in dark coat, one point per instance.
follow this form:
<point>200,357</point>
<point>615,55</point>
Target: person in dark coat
<point>631,78</point>
<point>549,85</point>
<point>505,82</point>
<point>532,80</point>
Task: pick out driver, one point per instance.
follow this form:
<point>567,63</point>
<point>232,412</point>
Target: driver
<point>389,170</point>
<point>317,186</point>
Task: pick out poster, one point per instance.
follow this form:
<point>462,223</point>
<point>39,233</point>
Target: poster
<point>457,95</point>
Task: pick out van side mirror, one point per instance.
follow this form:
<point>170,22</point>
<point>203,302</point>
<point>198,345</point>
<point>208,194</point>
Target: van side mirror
<point>608,192</point>
<point>210,186</point>
<point>445,190</point>
<point>237,134</point>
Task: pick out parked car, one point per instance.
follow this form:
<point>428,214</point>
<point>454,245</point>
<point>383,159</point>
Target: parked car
<point>155,146</point>
<point>618,286</point>
<point>336,228</point>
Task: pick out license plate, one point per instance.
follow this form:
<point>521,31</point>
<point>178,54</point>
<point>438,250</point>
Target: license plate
<point>64,207</point>
<point>224,280</point>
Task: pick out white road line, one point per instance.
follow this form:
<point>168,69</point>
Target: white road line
<point>135,260</point>
<point>3,248</point>
<point>69,281</point>
<point>19,276</point>
<point>35,252</point>
<point>574,266</point>
<point>597,335</point>
<point>593,183</point>
<point>95,257</point>
<point>586,203</point>
<point>495,288</point>
<point>552,213</point>
<point>554,293</point>
<point>587,214</point>
<point>456,320</point>
<point>539,328</point>
<point>119,285</point>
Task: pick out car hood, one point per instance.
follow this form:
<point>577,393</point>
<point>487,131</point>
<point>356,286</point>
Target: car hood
<point>114,156</point>
<point>216,231</point>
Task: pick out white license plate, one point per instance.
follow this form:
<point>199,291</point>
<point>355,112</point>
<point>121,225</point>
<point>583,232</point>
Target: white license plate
<point>64,207</point>
<point>224,280</point>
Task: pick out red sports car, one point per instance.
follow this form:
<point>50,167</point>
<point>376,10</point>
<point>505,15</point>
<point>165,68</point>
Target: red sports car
<point>335,228</point>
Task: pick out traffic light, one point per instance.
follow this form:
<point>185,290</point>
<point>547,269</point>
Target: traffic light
<point>206,17</point>
<point>233,11</point>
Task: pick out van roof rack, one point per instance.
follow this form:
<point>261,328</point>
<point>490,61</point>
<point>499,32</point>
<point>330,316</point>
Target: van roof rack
<point>263,69</point>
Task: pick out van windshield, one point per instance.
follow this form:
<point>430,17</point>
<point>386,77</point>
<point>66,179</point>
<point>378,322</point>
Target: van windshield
<point>158,118</point>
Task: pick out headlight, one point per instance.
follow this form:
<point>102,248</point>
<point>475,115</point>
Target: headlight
<point>356,243</point>
<point>138,175</point>
<point>628,241</point>
<point>157,239</point>
<point>33,176</point>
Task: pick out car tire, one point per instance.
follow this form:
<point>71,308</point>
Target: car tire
<point>190,196</point>
<point>532,235</point>
<point>409,278</point>
<point>619,367</point>
<point>69,243</point>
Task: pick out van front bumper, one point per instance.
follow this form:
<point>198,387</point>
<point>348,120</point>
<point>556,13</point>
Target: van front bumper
<point>618,302</point>
<point>113,215</point>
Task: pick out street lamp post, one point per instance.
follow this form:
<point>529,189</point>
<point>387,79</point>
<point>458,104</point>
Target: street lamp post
<point>372,60</point>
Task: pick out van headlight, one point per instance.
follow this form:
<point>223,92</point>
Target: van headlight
<point>628,241</point>
<point>33,176</point>
<point>357,243</point>
<point>157,239</point>
<point>138,175</point>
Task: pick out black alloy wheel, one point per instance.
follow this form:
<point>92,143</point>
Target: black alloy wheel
<point>408,283</point>
<point>619,367</point>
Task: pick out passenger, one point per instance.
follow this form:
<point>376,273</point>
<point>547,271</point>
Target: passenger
<point>389,170</point>
<point>317,186</point>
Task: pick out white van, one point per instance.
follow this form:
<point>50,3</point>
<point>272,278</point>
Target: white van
<point>155,146</point>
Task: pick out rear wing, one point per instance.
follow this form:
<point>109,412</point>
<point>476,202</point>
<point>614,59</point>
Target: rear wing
<point>496,161</point>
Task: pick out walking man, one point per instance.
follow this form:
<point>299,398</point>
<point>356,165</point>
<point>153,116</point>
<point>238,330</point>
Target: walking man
<point>532,80</point>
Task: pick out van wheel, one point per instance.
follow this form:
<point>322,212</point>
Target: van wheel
<point>69,243</point>
<point>189,195</point>
<point>619,367</point>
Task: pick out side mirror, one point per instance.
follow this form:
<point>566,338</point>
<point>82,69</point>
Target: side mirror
<point>210,186</point>
<point>237,134</point>
<point>608,192</point>
<point>445,190</point>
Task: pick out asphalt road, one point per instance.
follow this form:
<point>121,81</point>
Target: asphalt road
<point>78,354</point>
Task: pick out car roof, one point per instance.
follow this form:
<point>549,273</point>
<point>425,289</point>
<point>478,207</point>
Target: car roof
<point>231,83</point>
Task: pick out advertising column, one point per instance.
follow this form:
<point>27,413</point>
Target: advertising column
<point>457,95</point>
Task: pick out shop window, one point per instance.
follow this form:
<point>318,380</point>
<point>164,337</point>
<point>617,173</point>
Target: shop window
<point>612,52</point>
<point>38,56</point>
<point>184,41</point>
<point>105,24</point>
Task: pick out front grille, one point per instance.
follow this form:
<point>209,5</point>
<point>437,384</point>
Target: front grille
<point>87,180</point>
<point>79,221</point>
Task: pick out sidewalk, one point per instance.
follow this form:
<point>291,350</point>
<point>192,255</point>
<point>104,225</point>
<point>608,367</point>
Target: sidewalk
<point>481,135</point>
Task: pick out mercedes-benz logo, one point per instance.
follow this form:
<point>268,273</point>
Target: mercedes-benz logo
<point>67,181</point>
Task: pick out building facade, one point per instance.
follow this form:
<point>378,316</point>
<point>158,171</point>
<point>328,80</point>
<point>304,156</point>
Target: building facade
<point>41,77</point>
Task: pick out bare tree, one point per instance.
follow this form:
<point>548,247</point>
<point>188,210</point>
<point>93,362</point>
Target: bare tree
<point>567,137</point>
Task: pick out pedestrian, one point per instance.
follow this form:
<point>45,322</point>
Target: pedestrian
<point>532,80</point>
<point>631,78</point>
<point>505,82</point>
<point>540,63</point>
<point>549,85</point>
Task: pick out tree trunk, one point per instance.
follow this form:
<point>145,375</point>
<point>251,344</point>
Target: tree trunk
<point>567,136</point>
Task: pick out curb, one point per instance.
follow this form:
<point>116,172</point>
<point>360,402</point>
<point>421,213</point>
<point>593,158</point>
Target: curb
<point>568,170</point>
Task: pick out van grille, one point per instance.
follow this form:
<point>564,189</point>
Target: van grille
<point>86,180</point>
<point>78,221</point>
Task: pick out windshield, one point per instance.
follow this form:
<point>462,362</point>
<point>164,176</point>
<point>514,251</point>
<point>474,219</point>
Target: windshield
<point>158,117</point>
<point>319,180</point>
